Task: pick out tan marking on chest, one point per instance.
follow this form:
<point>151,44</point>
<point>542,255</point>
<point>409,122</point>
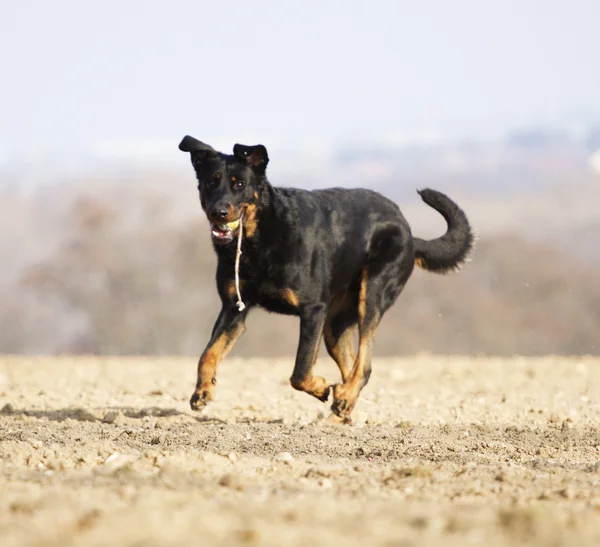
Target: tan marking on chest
<point>250,220</point>
<point>290,297</point>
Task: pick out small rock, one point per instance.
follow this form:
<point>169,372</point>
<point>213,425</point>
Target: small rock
<point>567,493</point>
<point>542,452</point>
<point>118,462</point>
<point>7,409</point>
<point>326,484</point>
<point>284,457</point>
<point>35,443</point>
<point>567,424</point>
<point>500,477</point>
<point>232,456</point>
<point>553,419</point>
<point>231,481</point>
<point>110,417</point>
<point>112,458</point>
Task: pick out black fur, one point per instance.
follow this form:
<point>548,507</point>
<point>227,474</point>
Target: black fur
<point>449,251</point>
<point>337,258</point>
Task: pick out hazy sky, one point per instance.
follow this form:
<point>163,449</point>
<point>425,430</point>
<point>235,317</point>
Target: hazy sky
<point>81,74</point>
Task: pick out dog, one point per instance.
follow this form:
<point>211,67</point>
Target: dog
<point>336,258</point>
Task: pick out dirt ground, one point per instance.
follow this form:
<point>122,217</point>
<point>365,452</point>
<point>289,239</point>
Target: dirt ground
<point>443,451</point>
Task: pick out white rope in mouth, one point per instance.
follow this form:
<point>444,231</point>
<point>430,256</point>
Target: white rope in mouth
<point>240,304</point>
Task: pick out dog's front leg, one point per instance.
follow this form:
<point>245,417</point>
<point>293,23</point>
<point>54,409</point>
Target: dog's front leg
<point>312,319</point>
<point>228,327</point>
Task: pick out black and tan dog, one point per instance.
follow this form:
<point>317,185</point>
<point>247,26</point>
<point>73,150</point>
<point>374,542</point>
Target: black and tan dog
<point>336,258</point>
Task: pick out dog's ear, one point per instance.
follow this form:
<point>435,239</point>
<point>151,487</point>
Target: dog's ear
<point>199,151</point>
<point>190,144</point>
<point>256,156</point>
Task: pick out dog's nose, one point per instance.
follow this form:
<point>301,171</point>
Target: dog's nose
<point>220,211</point>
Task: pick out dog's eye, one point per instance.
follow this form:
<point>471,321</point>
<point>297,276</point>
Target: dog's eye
<point>239,184</point>
<point>211,184</point>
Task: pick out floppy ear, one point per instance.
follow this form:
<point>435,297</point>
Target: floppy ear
<point>190,144</point>
<point>256,156</point>
<point>199,151</point>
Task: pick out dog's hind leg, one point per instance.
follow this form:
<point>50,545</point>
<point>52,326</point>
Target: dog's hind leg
<point>228,328</point>
<point>391,262</point>
<point>346,394</point>
<point>340,330</point>
<point>312,319</point>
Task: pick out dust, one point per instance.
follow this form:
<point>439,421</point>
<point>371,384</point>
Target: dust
<point>443,451</point>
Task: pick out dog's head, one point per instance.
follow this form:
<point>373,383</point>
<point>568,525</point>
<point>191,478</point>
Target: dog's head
<point>229,185</point>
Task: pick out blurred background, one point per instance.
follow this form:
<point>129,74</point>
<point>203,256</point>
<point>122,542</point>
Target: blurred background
<point>104,248</point>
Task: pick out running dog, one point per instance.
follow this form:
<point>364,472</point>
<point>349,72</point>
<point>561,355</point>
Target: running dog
<point>336,258</point>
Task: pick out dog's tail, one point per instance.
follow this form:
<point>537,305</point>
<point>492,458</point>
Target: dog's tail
<point>450,251</point>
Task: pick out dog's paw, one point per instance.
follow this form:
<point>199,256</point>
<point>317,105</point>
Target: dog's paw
<point>200,399</point>
<point>324,395</point>
<point>313,385</point>
<point>339,407</point>
<point>334,419</point>
<point>342,405</point>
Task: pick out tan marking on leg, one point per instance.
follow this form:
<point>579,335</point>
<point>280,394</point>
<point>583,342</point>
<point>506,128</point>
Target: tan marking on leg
<point>362,296</point>
<point>420,262</point>
<point>342,349</point>
<point>345,395</point>
<point>230,291</point>
<point>316,386</point>
<point>212,356</point>
<point>290,297</point>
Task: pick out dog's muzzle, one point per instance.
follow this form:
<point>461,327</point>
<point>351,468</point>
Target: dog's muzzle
<point>224,233</point>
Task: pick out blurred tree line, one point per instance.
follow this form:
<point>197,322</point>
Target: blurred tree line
<point>129,277</point>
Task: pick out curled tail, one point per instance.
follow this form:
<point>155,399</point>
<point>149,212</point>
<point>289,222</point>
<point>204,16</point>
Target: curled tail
<point>449,251</point>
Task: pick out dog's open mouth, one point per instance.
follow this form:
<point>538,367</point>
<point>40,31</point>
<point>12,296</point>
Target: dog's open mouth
<point>224,232</point>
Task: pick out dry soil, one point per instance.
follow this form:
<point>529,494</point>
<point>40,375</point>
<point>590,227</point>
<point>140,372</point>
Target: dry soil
<point>443,451</point>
